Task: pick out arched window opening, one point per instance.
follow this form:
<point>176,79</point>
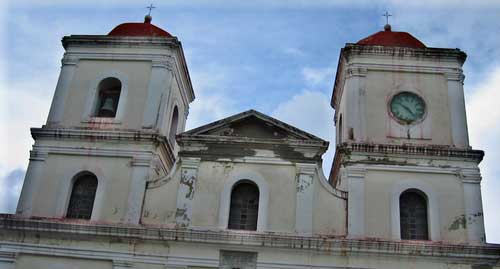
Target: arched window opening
<point>108,97</point>
<point>82,197</point>
<point>173,125</point>
<point>244,208</point>
<point>413,215</point>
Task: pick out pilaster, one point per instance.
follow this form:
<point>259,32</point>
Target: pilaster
<point>32,180</point>
<point>159,80</point>
<point>185,193</point>
<point>356,113</point>
<point>304,198</point>
<point>141,167</point>
<point>69,65</point>
<point>356,202</point>
<point>456,101</point>
<point>471,179</point>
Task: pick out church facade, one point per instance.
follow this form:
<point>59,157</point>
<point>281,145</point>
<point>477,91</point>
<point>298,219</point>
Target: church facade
<point>115,181</point>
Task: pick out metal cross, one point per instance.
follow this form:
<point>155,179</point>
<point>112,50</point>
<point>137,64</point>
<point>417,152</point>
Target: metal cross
<point>150,7</point>
<point>387,15</point>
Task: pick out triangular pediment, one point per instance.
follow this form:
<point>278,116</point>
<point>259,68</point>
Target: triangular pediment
<point>252,124</point>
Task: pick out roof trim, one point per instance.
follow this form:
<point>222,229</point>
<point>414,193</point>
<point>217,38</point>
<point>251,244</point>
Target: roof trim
<point>200,131</point>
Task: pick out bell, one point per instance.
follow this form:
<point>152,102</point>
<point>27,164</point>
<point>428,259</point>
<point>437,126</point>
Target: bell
<point>107,108</point>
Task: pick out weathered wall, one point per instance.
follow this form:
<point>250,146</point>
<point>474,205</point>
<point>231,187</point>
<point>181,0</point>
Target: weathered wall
<point>135,75</point>
<point>26,261</point>
<point>73,251</point>
<point>371,80</point>
<point>114,178</point>
<point>449,197</point>
<point>380,127</point>
<point>328,211</point>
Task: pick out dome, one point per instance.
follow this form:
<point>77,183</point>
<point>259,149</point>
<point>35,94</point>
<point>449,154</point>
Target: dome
<point>392,39</point>
<point>139,29</point>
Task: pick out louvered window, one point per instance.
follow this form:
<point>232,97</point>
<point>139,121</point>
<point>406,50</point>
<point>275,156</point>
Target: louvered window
<point>413,215</point>
<point>82,197</point>
<point>244,207</point>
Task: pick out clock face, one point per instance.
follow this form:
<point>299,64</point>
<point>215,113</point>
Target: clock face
<point>407,107</point>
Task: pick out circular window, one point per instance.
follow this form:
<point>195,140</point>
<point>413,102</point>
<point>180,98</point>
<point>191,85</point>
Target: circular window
<point>407,107</point>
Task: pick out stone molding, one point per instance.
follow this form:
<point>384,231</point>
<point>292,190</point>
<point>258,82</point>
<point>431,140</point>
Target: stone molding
<point>414,150</point>
<point>115,41</point>
<point>306,168</point>
<point>356,172</point>
<point>7,256</point>
<point>157,59</point>
<point>331,244</point>
<point>120,264</point>
<point>456,75</point>
<point>470,175</point>
<point>357,71</point>
<point>69,60</point>
<point>38,155</point>
<point>444,54</point>
<point>96,134</point>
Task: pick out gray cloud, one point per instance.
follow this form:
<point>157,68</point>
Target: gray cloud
<point>11,185</point>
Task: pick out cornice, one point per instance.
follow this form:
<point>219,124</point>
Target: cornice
<point>331,244</point>
<point>118,41</point>
<point>236,140</point>
<point>432,151</point>
<point>96,135</point>
<point>420,53</point>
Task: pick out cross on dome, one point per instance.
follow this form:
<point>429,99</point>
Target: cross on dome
<point>150,7</point>
<point>387,26</point>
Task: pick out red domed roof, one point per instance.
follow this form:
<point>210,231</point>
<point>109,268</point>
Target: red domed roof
<point>392,39</point>
<point>139,29</point>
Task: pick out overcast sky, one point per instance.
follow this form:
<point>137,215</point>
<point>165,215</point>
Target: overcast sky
<point>278,57</point>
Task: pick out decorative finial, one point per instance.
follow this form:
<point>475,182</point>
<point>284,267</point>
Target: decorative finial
<point>387,26</point>
<point>148,17</point>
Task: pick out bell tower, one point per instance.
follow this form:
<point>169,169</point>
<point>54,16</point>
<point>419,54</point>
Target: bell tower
<point>119,102</point>
<point>403,151</point>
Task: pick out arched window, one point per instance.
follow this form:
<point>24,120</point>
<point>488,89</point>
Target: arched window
<point>244,208</point>
<point>82,196</point>
<point>413,215</point>
<point>108,97</point>
<point>173,125</point>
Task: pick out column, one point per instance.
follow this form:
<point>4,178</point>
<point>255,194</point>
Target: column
<point>304,201</point>
<point>185,193</point>
<point>456,102</point>
<point>471,179</point>
<point>158,82</point>
<point>69,65</point>
<point>356,202</point>
<point>32,180</point>
<point>140,175</point>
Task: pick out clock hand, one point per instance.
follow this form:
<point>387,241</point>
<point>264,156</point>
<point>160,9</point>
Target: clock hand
<point>409,110</point>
